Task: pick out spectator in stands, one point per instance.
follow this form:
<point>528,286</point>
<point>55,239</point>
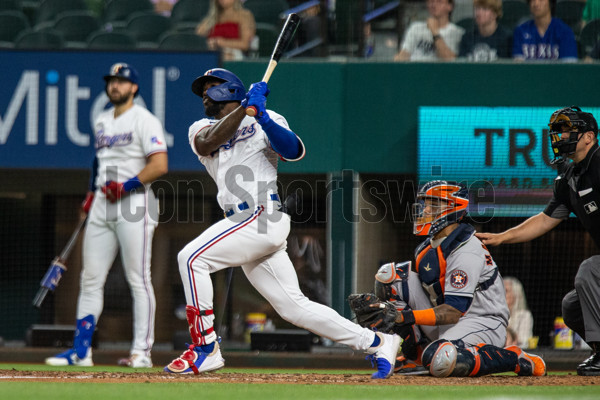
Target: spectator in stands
<point>544,37</point>
<point>435,39</point>
<point>164,7</point>
<point>487,41</point>
<point>520,322</point>
<point>229,27</point>
<point>310,28</point>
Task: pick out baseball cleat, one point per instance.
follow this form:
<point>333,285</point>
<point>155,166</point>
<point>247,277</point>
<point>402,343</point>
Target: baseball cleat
<point>195,360</point>
<point>529,364</point>
<point>385,355</point>
<point>408,367</point>
<point>70,357</point>
<point>591,366</point>
<point>136,361</point>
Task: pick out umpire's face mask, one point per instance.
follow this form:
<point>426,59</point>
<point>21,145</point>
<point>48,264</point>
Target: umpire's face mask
<point>564,140</point>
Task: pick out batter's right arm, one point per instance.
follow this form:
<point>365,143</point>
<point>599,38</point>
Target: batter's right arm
<point>209,139</point>
<point>532,228</point>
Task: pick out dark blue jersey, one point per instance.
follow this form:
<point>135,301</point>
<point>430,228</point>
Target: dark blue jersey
<point>558,42</point>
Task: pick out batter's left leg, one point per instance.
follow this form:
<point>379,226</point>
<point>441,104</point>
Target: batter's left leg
<point>275,278</point>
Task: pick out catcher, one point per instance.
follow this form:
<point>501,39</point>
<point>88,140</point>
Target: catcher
<point>453,301</point>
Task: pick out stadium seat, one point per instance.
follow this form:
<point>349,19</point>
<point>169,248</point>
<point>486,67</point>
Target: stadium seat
<point>102,40</point>
<point>267,37</point>
<point>39,40</point>
<point>589,36</point>
<point>117,12</point>
<point>10,5</point>
<point>147,27</point>
<point>267,11</point>
<point>570,11</point>
<point>48,10</point>
<point>515,12</point>
<point>12,23</point>
<point>76,27</point>
<point>186,14</point>
<point>182,41</point>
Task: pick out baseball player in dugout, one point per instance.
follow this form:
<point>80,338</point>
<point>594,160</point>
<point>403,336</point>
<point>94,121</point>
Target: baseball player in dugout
<point>451,309</point>
<point>574,139</point>
<point>241,154</point>
<point>122,211</point>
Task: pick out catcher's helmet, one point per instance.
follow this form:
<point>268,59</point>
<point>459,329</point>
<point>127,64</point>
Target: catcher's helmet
<point>122,70</point>
<point>446,203</point>
<point>232,88</point>
<point>573,121</point>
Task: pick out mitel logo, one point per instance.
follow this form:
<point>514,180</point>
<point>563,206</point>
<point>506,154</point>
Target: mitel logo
<point>33,94</point>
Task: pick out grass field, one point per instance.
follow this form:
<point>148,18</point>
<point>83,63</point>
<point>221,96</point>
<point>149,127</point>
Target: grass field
<point>191,389</point>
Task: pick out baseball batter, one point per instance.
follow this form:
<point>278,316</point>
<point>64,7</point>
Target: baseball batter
<point>455,296</point>
<point>241,154</point>
<point>123,212</point>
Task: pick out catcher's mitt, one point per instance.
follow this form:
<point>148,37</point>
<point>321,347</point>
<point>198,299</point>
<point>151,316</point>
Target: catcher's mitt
<point>372,313</point>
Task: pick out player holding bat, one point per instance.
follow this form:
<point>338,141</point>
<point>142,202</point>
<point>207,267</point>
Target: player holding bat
<point>241,154</point>
<point>122,210</point>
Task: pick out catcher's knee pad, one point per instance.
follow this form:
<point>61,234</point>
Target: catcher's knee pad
<point>448,358</point>
<point>440,358</point>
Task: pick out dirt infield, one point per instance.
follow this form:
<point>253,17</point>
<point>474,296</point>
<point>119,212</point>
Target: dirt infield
<point>295,378</point>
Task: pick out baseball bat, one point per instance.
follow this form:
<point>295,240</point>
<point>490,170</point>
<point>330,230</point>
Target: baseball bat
<point>285,37</point>
<point>57,267</point>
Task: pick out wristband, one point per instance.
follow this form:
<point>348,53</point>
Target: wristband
<point>132,184</point>
<point>424,317</point>
<point>436,37</point>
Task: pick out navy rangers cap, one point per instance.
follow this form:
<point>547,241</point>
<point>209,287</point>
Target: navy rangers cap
<point>122,70</point>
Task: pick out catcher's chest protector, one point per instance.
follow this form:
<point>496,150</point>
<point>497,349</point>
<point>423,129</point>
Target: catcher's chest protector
<point>431,263</point>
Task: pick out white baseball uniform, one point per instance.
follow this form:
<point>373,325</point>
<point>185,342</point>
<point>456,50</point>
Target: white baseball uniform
<point>123,145</point>
<point>253,236</point>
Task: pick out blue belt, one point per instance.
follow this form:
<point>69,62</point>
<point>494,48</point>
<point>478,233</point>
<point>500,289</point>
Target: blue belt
<point>244,206</point>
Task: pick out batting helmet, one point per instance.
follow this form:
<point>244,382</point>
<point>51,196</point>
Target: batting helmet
<point>122,70</point>
<point>232,88</point>
<point>446,202</point>
<point>575,121</point>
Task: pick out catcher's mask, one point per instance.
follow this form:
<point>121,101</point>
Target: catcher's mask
<point>439,204</point>
<point>573,121</point>
<point>124,71</point>
<point>231,88</point>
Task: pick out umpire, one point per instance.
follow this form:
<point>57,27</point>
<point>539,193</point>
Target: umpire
<point>573,135</point>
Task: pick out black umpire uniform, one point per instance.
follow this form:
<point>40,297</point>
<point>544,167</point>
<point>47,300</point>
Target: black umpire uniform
<point>577,190</point>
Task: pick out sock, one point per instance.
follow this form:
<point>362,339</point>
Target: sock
<point>207,348</point>
<point>376,341</point>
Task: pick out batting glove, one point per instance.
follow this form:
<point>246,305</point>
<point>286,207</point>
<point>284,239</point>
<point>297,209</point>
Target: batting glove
<point>260,88</point>
<point>87,202</point>
<point>115,190</point>
<point>259,102</point>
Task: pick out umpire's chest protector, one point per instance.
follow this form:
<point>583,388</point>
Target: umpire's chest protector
<point>431,262</point>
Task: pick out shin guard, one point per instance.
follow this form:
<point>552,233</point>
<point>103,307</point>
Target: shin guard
<point>198,328</point>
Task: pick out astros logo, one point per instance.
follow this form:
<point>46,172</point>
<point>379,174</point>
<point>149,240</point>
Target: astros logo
<point>459,279</point>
